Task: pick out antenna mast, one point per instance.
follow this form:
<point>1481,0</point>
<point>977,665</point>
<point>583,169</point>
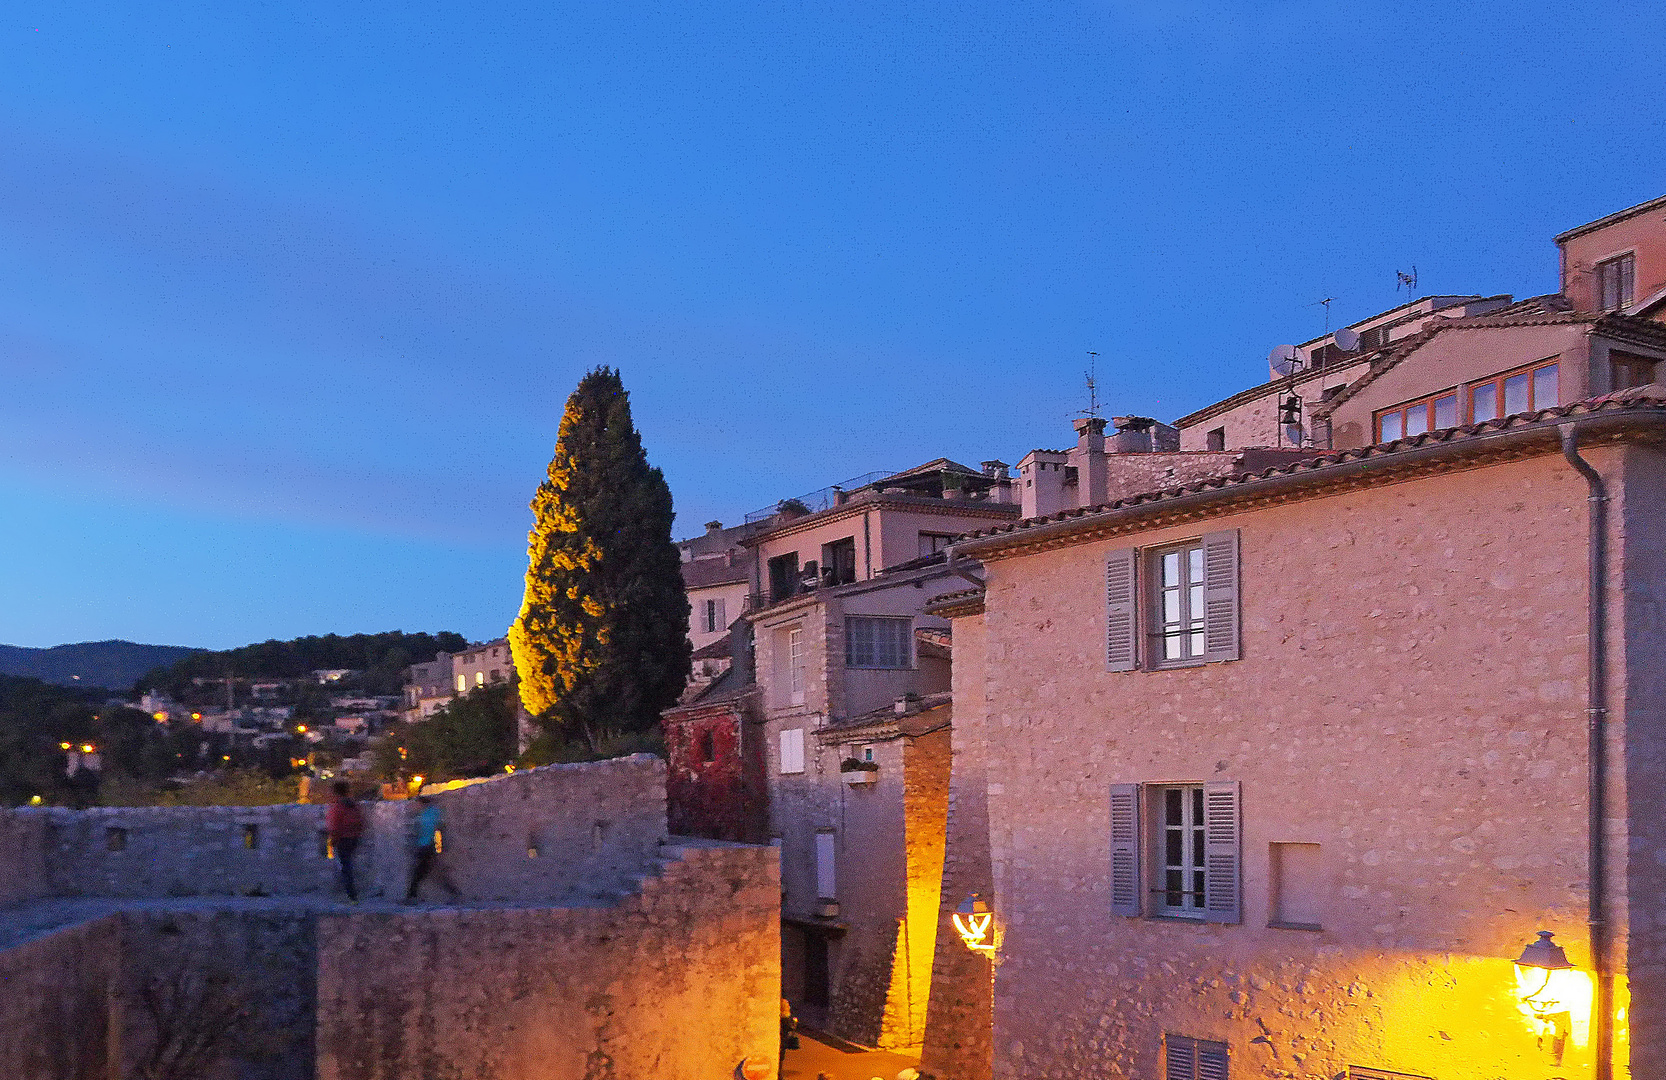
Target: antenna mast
<point>1093,384</point>
<point>1406,281</point>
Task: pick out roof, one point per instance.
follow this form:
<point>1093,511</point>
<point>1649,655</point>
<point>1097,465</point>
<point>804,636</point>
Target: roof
<point>887,720</point>
<point>704,573</point>
<point>717,650</point>
<point>1652,333</point>
<point>1509,437</point>
<point>1612,219</point>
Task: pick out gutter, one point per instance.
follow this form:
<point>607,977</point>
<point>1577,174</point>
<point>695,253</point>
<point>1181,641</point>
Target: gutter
<point>1596,723</point>
<point>1540,434</point>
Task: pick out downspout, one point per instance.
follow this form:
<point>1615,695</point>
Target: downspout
<point>1596,722</point>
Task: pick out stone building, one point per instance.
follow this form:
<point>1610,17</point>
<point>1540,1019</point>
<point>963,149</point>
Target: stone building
<point>1282,772</point>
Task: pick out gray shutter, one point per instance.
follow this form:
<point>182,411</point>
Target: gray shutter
<point>1211,1060</point>
<point>1179,1057</point>
<point>1125,849</point>
<point>1122,624</point>
<point>1222,845</point>
<point>720,618</point>
<point>1220,595</point>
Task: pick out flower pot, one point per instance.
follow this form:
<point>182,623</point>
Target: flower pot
<point>860,776</point>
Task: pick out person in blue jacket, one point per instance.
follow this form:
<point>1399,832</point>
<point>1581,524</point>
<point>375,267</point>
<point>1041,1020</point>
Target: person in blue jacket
<point>429,835</point>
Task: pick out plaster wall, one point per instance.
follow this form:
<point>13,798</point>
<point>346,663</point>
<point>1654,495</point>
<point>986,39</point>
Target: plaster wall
<point>1461,355</point>
<point>960,1015</point>
<point>733,597</point>
<point>1642,235</point>
<point>1410,698</point>
<point>680,982</point>
<point>1255,422</point>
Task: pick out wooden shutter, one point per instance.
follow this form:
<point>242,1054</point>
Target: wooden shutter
<point>1179,1058</point>
<point>792,750</point>
<point>719,619</point>
<point>827,882</point>
<point>1220,595</point>
<point>1211,1060</point>
<point>1122,624</point>
<point>1125,849</point>
<point>1222,846</point>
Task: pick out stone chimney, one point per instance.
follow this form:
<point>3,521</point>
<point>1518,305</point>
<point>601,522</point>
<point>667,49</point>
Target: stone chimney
<point>713,528</point>
<point>1088,458</point>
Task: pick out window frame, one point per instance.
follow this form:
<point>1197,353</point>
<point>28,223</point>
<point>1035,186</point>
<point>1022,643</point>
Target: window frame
<point>1194,1065</point>
<point>905,640</point>
<point>1187,595</point>
<point>1135,627</point>
<point>1190,832</point>
<point>1138,840</point>
<point>1624,266</point>
<point>1465,395</point>
<point>1629,362</point>
<point>938,542</point>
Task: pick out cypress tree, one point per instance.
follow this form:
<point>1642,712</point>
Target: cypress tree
<point>601,642</point>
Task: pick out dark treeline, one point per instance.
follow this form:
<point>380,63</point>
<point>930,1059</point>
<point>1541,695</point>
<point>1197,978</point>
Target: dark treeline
<point>382,657</point>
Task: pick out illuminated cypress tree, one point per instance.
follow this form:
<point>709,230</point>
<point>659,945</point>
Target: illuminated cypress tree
<point>601,642</point>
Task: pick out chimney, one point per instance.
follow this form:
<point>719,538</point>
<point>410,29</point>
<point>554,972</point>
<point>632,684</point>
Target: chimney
<point>713,528</point>
<point>995,470</point>
<point>1088,459</point>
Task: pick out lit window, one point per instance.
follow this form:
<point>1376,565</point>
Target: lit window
<point>878,642</point>
<point>462,683</point>
<point>1615,278</point>
<point>480,678</point>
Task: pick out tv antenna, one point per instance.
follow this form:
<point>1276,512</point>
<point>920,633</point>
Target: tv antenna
<point>1325,303</point>
<point>1093,384</point>
<point>1406,281</point>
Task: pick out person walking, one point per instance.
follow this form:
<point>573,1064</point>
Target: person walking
<point>344,822</point>
<point>430,833</point>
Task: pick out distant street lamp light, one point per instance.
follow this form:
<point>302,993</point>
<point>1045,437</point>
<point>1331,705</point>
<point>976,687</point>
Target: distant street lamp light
<point>976,924</point>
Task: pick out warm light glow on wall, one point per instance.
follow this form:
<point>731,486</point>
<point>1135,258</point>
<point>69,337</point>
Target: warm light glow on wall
<point>975,924</point>
<point>1553,998</point>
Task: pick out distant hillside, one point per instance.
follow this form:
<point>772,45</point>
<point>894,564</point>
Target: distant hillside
<point>115,665</point>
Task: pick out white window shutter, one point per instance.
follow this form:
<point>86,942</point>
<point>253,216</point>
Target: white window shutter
<point>1122,624</point>
<point>827,883</point>
<point>1125,849</point>
<point>1222,852</point>
<point>1220,595</point>
<point>792,750</point>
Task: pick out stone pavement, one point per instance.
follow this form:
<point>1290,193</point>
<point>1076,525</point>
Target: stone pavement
<point>814,1056</point>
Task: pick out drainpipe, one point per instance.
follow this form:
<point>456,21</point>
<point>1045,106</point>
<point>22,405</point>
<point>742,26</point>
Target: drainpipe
<point>1596,722</point>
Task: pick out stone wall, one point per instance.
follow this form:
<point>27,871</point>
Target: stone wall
<point>1410,698</point>
<point>23,842</point>
<point>678,983</point>
<point>961,1012</point>
<point>54,1003</point>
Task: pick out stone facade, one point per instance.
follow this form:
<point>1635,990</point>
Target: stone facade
<point>1409,697</point>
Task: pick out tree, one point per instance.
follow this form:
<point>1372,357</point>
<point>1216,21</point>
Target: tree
<point>473,735</point>
<point>601,643</point>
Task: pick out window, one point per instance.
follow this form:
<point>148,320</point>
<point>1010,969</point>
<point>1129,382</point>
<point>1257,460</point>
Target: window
<point>1216,439</point>
<point>1186,1058</point>
<point>827,883</point>
<point>1526,389</point>
<point>783,576</point>
<point>1297,888</point>
<point>1187,604</point>
<point>462,683</point>
<point>1190,851</point>
<point>838,562</point>
<point>708,746</point>
<point>876,642</point>
<point>932,543</point>
<point>1629,370</point>
<point>1614,281</point>
<point>792,750</point>
<point>795,664</point>
<point>867,753</point>
<point>480,678</point>
<point>713,617</point>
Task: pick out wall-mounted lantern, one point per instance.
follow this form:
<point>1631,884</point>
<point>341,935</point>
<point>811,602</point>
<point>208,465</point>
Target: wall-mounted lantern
<point>1552,992</point>
<point>976,924</point>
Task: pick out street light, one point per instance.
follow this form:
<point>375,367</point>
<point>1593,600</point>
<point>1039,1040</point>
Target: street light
<point>1552,989</point>
<point>976,924</point>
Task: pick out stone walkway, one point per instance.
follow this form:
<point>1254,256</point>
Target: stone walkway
<point>814,1056</point>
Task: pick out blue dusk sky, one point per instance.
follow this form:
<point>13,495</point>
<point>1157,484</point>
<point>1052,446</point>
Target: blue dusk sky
<point>292,294</point>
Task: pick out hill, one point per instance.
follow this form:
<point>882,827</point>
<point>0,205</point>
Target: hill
<point>379,659</point>
<point>114,665</point>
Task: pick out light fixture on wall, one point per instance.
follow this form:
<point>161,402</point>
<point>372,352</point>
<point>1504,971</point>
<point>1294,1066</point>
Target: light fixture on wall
<point>1552,991</point>
<point>976,924</point>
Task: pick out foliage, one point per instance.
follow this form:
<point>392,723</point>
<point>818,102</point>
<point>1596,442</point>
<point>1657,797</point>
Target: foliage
<point>231,787</point>
<point>601,640</point>
<point>548,748</point>
<point>473,735</point>
<point>35,717</point>
<point>851,764</point>
<point>382,658</point>
<point>111,664</point>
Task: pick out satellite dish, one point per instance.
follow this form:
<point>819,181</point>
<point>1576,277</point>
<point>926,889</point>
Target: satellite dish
<point>1347,340</point>
<point>1284,360</point>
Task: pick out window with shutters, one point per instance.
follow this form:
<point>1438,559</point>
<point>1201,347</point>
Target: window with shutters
<point>1615,279</point>
<point>1186,1058</point>
<point>1187,604</point>
<point>1186,841</point>
<point>714,617</point>
<point>792,750</point>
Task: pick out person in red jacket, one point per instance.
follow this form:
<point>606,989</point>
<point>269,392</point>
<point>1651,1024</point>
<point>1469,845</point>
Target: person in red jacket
<point>344,821</point>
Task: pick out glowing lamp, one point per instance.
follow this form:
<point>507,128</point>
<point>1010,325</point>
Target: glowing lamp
<point>86,748</point>
<point>756,1068</point>
<point>63,746</point>
<point>1555,994</point>
<point>162,717</point>
<point>976,924</point>
<point>301,729</point>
